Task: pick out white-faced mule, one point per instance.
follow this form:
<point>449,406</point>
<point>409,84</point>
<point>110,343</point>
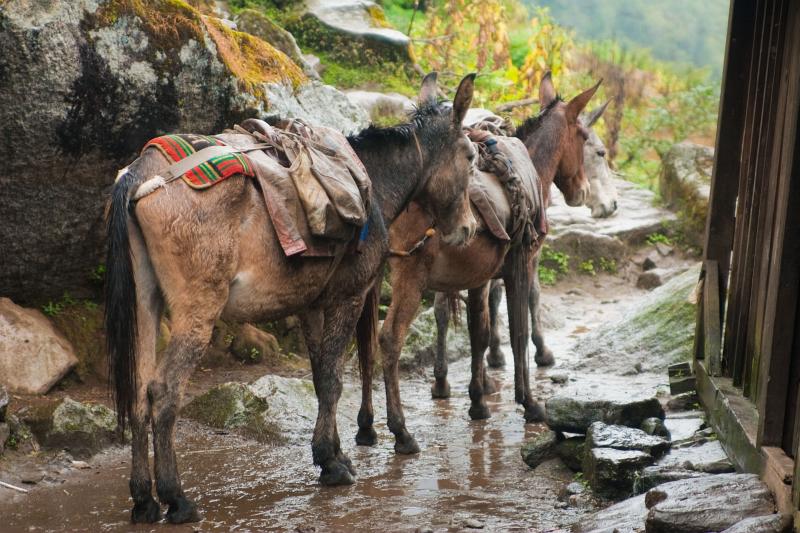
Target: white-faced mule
<point>216,253</point>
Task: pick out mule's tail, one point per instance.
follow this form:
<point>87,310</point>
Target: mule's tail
<point>120,301</point>
<point>367,328</point>
<point>518,305</point>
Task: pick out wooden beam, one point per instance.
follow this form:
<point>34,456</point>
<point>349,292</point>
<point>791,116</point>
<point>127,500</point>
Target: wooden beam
<point>712,331</point>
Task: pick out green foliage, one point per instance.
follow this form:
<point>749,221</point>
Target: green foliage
<point>587,267</point>
<point>607,265</point>
<point>655,238</point>
<point>53,309</point>
<point>388,78</point>
<point>557,261</point>
<point>98,274</point>
<point>547,276</point>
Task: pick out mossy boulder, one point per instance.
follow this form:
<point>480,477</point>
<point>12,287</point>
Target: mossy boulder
<point>353,31</point>
<point>84,85</point>
<point>650,337</point>
<point>80,428</point>
<point>257,23</point>
<point>539,449</point>
<point>685,185</point>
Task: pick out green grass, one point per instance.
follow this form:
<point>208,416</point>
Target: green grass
<point>344,76</point>
<point>655,238</point>
<point>587,267</point>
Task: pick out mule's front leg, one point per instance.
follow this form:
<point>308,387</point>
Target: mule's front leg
<point>441,310</point>
<point>496,357</point>
<point>185,349</point>
<point>406,296</point>
<point>327,333</point>
<point>544,356</point>
<point>478,320</point>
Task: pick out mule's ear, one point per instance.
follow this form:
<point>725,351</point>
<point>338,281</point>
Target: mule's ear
<point>429,89</point>
<point>547,93</point>
<point>576,105</point>
<point>595,115</point>
<point>463,99</point>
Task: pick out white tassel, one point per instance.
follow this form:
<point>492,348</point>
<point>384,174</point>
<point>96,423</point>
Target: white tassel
<point>121,173</point>
<point>148,187</point>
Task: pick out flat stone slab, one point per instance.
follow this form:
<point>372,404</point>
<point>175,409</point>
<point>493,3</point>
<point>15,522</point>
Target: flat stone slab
<point>653,476</point>
<point>602,435</point>
<point>626,516</point>
<point>708,457</point>
<point>774,523</point>
<point>683,425</point>
<point>575,408</point>
<point>711,503</point>
<point>612,472</point>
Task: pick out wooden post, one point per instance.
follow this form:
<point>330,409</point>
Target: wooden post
<point>712,332</point>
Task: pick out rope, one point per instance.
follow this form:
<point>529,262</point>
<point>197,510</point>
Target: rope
<point>430,232</point>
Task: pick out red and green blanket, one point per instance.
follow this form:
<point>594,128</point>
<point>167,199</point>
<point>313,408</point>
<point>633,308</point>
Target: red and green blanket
<point>211,172</point>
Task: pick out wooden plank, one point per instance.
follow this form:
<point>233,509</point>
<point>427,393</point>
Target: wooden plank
<point>778,371</point>
<point>720,220</point>
<point>712,333</point>
<point>777,472</point>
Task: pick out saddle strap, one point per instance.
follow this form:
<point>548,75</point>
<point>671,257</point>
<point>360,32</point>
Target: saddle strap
<point>179,168</point>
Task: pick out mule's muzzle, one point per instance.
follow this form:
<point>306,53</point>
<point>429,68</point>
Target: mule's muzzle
<point>579,198</point>
<point>604,210</point>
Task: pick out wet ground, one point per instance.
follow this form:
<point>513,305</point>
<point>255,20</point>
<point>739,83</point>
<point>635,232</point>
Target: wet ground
<point>468,473</point>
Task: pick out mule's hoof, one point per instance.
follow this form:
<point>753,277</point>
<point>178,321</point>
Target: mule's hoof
<point>336,474</point>
<point>366,437</point>
<point>146,512</point>
<point>496,359</point>
<point>182,511</point>
<point>440,390</point>
<point>479,411</point>
<point>406,446</point>
<point>348,464</point>
<point>544,358</point>
<point>534,412</point>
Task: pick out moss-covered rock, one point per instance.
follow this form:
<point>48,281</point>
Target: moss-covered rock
<point>539,449</point>
<point>80,428</point>
<point>85,84</point>
<point>260,25</point>
<point>685,185</point>
<point>655,334</point>
<point>356,32</point>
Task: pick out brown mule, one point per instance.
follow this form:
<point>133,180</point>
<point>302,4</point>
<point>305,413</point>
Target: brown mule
<point>215,254</point>
<point>553,141</point>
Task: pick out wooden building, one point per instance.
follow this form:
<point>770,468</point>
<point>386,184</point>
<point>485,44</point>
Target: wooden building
<point>747,348</point>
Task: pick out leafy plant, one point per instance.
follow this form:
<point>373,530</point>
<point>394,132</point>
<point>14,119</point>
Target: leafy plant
<point>98,274</point>
<point>558,261</point>
<point>607,265</point>
<point>587,267</point>
<point>547,276</point>
<point>655,238</point>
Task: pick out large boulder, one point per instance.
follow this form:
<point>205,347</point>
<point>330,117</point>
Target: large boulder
<point>233,406</point>
<point>355,31</point>
<point>84,84</point>
<point>611,472</point>
<point>382,108</point>
<point>539,449</point>
<point>685,185</point>
<point>420,346</point>
<point>81,429</point>
<point>33,355</point>
<point>654,334</point>
<point>576,408</point>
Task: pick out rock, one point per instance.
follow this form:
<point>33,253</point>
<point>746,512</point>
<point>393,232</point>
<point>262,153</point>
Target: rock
<point>664,249</point>
<point>655,277</point>
<point>315,63</point>
<point>582,245</point>
<point>3,402</point>
<point>575,409</point>
<point>624,517</point>
<point>684,427</point>
<point>539,449</point>
<point>81,429</point>
<point>774,523</point>
<point>685,185</point>
<point>473,524</point>
<point>649,263</point>
<point>711,503</point>
<point>655,426</point>
<point>571,452</point>
<point>574,488</point>
<point>687,401</point>
<point>559,378</point>
<point>420,346</point>
<point>708,457</point>
<point>253,345</point>
<point>354,31</point>
<point>33,355</point>
<point>88,83</point>
<point>382,108</point>
<point>233,406</point>
<point>5,432</point>
<point>258,24</point>
<point>292,405</point>
<point>20,437</point>
<point>635,219</point>
<point>653,476</point>
<point>611,472</point>
<point>657,332</point>
<point>81,465</point>
<point>601,435</point>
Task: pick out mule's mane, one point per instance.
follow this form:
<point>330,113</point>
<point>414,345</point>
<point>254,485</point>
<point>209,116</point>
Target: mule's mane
<point>418,119</point>
<point>534,123</point>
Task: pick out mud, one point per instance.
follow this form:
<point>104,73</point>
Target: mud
<point>468,473</point>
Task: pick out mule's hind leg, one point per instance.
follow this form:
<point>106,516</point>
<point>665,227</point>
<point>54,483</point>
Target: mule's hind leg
<point>441,310</point>
<point>478,319</point>
<point>192,324</point>
<point>327,333</point>
<point>544,356</point>
<point>149,305</point>
<point>496,357</point>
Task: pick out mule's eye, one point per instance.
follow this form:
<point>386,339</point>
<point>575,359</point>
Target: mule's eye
<point>471,156</point>
<point>601,153</point>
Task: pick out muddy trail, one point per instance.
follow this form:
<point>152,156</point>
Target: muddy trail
<point>468,474</point>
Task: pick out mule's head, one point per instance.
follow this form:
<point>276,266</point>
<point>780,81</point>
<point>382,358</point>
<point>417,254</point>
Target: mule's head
<point>446,160</point>
<point>557,136</point>
<point>602,191</point>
